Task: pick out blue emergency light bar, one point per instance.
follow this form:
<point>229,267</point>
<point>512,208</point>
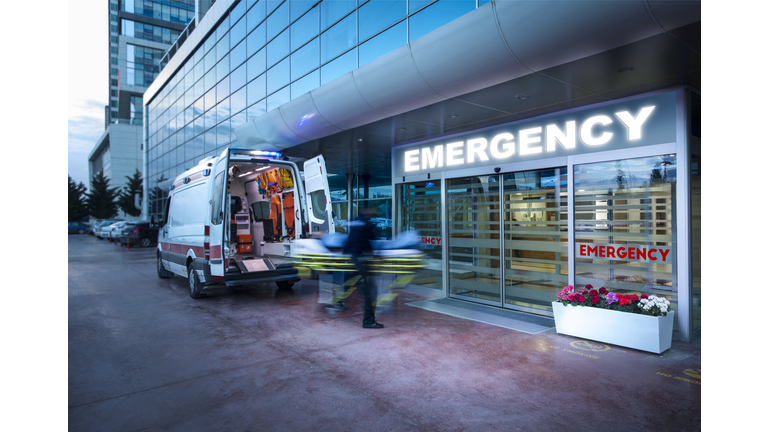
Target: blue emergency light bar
<point>266,153</point>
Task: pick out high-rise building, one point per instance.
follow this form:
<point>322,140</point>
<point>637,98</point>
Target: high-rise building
<point>140,32</point>
<point>531,143</point>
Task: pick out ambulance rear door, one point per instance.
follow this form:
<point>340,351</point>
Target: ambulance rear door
<point>318,196</point>
<point>216,247</point>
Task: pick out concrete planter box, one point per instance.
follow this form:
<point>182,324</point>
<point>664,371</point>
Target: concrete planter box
<point>641,332</point>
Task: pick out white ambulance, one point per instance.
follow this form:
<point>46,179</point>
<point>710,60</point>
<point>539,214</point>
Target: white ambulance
<point>233,219</point>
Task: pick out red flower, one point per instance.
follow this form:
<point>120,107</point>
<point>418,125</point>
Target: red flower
<point>643,296</point>
<point>593,293</point>
<point>588,286</point>
<point>581,299</point>
<point>595,299</point>
<point>603,290</point>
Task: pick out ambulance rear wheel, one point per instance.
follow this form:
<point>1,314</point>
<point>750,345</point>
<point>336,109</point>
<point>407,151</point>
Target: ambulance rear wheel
<point>195,287</point>
<point>162,273</point>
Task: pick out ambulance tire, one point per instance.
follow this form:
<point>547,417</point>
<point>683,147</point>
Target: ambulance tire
<point>162,273</point>
<point>195,287</point>
<point>284,285</point>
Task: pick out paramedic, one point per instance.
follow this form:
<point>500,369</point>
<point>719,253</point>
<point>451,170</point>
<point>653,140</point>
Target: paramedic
<point>359,243</point>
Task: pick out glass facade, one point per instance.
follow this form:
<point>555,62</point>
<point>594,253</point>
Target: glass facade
<point>147,32</point>
<point>261,55</point>
<point>142,65</point>
<point>177,11</point>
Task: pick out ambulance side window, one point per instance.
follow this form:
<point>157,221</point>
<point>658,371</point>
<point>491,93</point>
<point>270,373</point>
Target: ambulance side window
<point>218,191</point>
<point>167,210</point>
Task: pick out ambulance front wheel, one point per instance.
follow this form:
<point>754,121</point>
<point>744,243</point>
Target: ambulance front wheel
<point>284,285</point>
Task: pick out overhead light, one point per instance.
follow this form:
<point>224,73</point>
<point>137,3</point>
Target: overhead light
<point>402,129</point>
<point>453,115</point>
<point>522,96</point>
<point>626,69</point>
<point>359,140</point>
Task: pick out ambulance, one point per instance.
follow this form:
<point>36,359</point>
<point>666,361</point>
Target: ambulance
<point>233,219</point>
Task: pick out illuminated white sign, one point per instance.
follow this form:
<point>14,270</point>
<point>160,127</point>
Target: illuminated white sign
<point>596,130</point>
<point>632,122</point>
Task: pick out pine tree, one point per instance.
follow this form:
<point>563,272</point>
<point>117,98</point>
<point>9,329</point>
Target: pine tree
<point>101,199</point>
<point>78,209</point>
<point>126,200</point>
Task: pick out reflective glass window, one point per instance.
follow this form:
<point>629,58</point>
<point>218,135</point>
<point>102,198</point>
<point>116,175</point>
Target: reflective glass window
<point>414,5</point>
<point>222,49</point>
<point>338,38</point>
<point>304,85</point>
<point>222,90</point>
<point>236,120</point>
<point>278,76</point>
<point>237,56</point>
<point>210,79</point>
<point>377,15</point>
<point>256,40</point>
<point>298,7</point>
<point>222,133</point>
<point>257,89</point>
<point>383,43</point>
<point>210,99</point>
<point>437,15</point>
<point>304,29</point>
<point>237,12</point>
<point>278,98</point>
<point>222,29</point>
<point>209,140</point>
<point>237,78</point>
<point>272,4</point>
<point>222,68</point>
<point>305,60</point>
<point>210,60</point>
<point>256,15</point>
<point>238,100</point>
<point>223,110</point>
<point>257,109</point>
<point>257,64</point>
<point>237,33</point>
<point>332,11</point>
<point>278,48</point>
<point>338,67</point>
<point>278,21</point>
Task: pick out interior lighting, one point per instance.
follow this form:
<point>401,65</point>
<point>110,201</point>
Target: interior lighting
<point>522,96</point>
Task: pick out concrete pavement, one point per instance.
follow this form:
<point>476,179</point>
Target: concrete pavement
<point>143,355</point>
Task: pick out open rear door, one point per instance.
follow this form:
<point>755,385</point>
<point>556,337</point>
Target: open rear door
<point>318,196</point>
<point>218,219</point>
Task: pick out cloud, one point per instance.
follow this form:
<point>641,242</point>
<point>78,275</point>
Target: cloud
<point>85,126</point>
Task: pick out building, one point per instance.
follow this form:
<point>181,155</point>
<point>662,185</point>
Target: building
<point>576,123</point>
<point>140,32</point>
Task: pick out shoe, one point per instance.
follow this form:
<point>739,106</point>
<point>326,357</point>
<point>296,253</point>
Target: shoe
<point>374,325</point>
<point>339,306</point>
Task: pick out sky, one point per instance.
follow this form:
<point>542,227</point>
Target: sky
<point>88,82</point>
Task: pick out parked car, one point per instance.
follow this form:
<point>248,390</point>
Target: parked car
<point>140,233</point>
<point>96,227</point>
<point>78,228</point>
<point>111,230</point>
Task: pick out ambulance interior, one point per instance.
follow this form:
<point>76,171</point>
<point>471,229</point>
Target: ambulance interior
<point>262,212</point>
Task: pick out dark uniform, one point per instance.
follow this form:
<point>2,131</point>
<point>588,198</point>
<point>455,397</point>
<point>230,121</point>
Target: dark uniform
<point>359,243</point>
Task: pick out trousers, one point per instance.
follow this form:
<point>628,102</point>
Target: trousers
<point>368,290</point>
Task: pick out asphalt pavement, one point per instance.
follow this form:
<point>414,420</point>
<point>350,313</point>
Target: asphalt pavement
<point>144,356</point>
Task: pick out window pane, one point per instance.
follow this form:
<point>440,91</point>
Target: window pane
<point>625,234</point>
<point>306,84</point>
<point>304,60</point>
<point>238,100</point>
<point>257,89</point>
<point>256,40</point>
<point>237,56</point>
<point>256,15</point>
<point>414,5</point>
<point>304,29</point>
<point>376,15</point>
<point>277,49</point>
<point>338,38</point>
<point>257,109</point>
<point>338,67</point>
<point>237,33</point>
<point>257,64</point>
<point>332,11</point>
<point>278,98</point>
<point>383,43</point>
<point>437,15</point>
<point>278,21</point>
<point>238,78</point>
<point>278,77</point>
<point>298,7</point>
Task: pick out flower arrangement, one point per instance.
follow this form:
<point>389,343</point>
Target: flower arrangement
<point>602,298</point>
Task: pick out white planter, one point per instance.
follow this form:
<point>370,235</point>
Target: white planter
<point>641,332</point>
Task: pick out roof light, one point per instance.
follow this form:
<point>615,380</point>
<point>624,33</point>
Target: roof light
<point>266,153</point>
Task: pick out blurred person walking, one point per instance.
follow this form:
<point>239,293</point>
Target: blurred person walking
<point>359,246</point>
